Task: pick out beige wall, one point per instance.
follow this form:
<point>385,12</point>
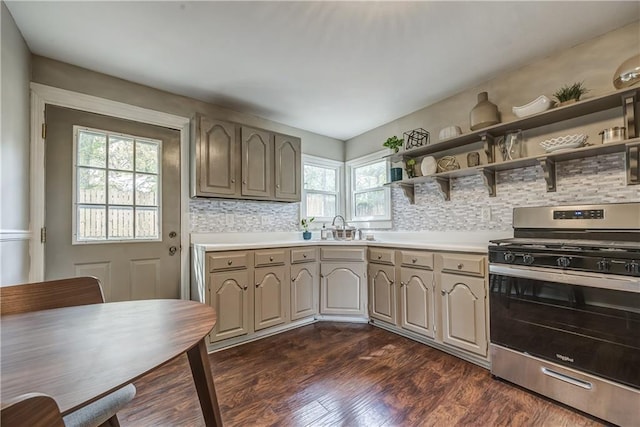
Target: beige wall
<point>14,153</point>
<point>593,62</point>
<point>62,75</point>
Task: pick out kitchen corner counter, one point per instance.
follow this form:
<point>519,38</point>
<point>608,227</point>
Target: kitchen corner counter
<point>473,242</point>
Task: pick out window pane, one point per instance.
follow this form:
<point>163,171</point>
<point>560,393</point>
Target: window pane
<point>91,222</point>
<point>321,205</point>
<point>91,185</point>
<point>120,188</point>
<point>319,178</point>
<point>92,149</point>
<point>146,189</point>
<point>147,156</point>
<point>147,223</point>
<point>370,203</point>
<point>120,223</point>
<point>120,153</point>
<point>370,176</point>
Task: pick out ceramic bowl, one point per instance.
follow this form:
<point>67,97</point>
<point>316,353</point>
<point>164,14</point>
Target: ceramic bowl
<point>564,142</point>
<point>538,105</point>
<point>449,132</point>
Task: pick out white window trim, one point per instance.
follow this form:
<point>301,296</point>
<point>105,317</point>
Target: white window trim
<point>350,166</point>
<point>340,201</point>
<point>74,196</point>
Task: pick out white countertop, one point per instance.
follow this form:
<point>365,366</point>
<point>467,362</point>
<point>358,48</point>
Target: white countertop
<point>455,241</point>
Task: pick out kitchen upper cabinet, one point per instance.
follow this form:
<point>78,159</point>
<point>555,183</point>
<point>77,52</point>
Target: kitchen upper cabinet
<point>464,312</point>
<point>230,295</point>
<point>417,304</point>
<point>230,160</point>
<point>270,297</point>
<point>382,304</point>
<point>288,165</point>
<point>342,288</point>
<point>216,163</point>
<point>257,163</point>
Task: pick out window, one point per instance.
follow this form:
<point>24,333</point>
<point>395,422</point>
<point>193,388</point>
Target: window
<point>321,189</point>
<point>116,187</point>
<point>369,199</point>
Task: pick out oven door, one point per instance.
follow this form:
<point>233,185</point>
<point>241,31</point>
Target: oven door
<point>586,321</point>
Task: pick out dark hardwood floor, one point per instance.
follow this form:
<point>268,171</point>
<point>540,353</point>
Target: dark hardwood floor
<point>340,374</point>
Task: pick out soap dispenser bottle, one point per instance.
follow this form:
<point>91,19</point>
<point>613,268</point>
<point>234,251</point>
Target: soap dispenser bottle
<point>324,232</point>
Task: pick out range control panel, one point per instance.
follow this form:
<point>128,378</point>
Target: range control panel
<point>579,214</point>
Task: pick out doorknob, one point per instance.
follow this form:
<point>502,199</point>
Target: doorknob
<point>172,234</point>
<point>172,250</point>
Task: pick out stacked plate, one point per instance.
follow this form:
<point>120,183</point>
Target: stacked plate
<point>564,142</point>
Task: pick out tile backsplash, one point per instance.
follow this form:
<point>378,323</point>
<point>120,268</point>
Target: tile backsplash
<point>599,179</point>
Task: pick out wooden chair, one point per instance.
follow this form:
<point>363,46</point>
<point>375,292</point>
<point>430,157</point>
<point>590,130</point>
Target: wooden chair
<point>67,293</point>
<point>31,410</point>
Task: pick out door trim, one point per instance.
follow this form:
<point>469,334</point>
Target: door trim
<point>41,95</point>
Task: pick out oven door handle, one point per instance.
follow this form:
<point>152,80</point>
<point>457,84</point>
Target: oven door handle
<point>566,378</point>
<point>594,280</point>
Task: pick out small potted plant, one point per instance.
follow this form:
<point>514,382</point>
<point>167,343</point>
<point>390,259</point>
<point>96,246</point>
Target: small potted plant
<point>306,222</point>
<point>570,94</point>
<point>393,143</point>
<point>411,165</point>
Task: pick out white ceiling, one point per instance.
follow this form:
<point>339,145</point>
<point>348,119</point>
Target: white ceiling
<point>334,68</point>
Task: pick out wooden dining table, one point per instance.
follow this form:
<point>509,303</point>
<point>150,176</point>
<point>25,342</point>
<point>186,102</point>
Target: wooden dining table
<point>79,354</point>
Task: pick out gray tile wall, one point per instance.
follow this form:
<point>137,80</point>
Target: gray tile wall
<point>599,179</point>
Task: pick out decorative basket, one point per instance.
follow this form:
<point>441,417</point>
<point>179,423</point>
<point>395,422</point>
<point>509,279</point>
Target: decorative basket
<point>564,142</point>
<point>448,163</point>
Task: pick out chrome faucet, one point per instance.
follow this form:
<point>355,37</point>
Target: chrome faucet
<point>344,223</point>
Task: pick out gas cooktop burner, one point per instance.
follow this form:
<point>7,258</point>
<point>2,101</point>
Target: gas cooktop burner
<point>575,244</point>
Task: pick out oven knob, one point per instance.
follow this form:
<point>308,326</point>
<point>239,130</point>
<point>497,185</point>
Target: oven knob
<point>604,265</point>
<point>563,261</point>
<point>632,267</point>
<point>509,257</point>
<point>528,259</point>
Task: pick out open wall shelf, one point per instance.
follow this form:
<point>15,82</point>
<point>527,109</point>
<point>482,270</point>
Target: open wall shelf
<point>627,99</point>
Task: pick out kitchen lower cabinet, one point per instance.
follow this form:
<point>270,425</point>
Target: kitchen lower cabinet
<point>342,288</point>
<point>382,297</point>
<point>464,315</point>
<point>231,296</point>
<point>271,297</point>
<point>304,290</point>
<point>417,302</point>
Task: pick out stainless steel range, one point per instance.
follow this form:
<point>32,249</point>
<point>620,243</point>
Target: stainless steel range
<point>565,307</point>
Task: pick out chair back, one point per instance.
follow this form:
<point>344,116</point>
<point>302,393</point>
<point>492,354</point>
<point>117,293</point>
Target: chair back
<point>52,294</point>
<point>31,410</point>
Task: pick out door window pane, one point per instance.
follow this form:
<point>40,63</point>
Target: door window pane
<point>112,201</point>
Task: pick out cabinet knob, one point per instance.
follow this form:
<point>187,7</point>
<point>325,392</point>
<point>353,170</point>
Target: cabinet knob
<point>245,287</point>
<point>229,262</point>
<point>270,258</point>
<point>233,181</point>
<point>277,185</point>
<point>257,285</point>
<point>401,284</point>
<point>414,260</point>
<point>460,266</point>
<point>443,292</point>
<point>390,282</point>
<point>304,255</point>
<point>379,256</point>
<point>244,182</point>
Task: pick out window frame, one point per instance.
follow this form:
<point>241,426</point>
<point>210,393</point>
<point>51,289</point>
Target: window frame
<point>74,188</point>
<point>338,167</point>
<point>380,221</point>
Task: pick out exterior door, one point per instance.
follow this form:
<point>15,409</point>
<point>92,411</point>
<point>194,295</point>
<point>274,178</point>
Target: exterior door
<point>113,204</point>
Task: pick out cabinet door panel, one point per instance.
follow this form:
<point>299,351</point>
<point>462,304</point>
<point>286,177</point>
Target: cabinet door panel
<point>463,312</point>
<point>288,168</point>
<point>304,290</point>
<point>382,295</point>
<point>218,151</point>
<point>417,305</point>
<point>342,288</point>
<point>229,296</point>
<point>257,163</point>
<point>270,297</point>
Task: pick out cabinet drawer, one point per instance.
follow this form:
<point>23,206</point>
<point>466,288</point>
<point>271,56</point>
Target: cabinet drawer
<point>303,255</point>
<point>342,254</point>
<point>227,260</point>
<point>417,259</point>
<point>382,256</point>
<point>467,264</point>
<point>269,257</point>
